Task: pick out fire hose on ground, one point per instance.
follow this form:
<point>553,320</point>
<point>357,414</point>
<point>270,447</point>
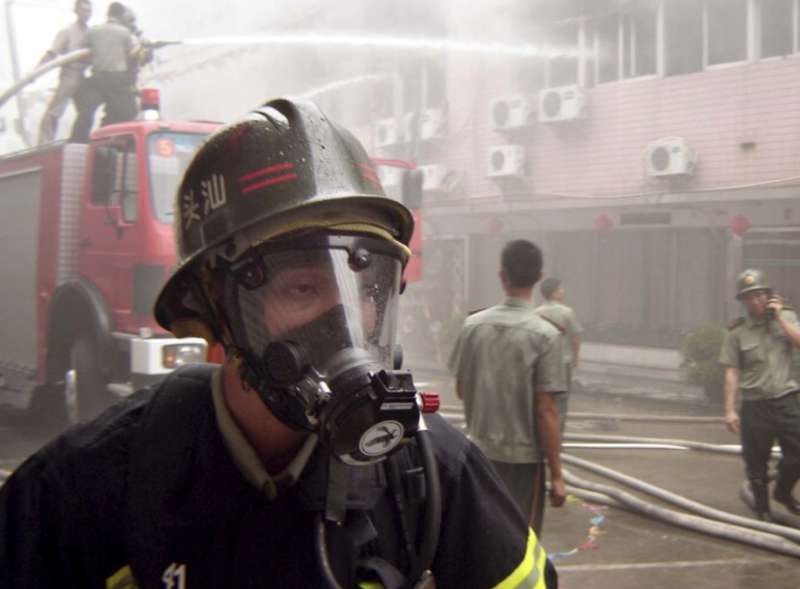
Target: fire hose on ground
<point>630,442</point>
<point>610,495</point>
<point>769,536</point>
<point>457,411</point>
<point>683,502</point>
<point>647,418</point>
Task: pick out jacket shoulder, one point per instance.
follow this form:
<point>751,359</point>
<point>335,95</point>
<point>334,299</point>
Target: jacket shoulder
<point>552,322</point>
<point>736,323</point>
<point>542,326</point>
<point>450,445</point>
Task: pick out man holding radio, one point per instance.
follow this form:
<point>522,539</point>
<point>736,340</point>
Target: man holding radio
<point>757,355</point>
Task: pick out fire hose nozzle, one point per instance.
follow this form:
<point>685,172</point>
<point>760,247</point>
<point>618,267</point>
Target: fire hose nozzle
<point>160,44</point>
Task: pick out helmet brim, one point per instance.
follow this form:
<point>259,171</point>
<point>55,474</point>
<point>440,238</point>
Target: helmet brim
<point>171,303</point>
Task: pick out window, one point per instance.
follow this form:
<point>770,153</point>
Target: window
<point>639,37</point>
<point>776,27</point>
<point>590,56</point>
<point>435,83</point>
<point>673,37</point>
<point>563,70</point>
<point>382,93</point>
<point>607,49</point>
<point>411,73</point>
<point>424,85</point>
<point>727,31</point>
<point>168,156</point>
<point>114,175</point>
<point>531,76</point>
<point>683,29</point>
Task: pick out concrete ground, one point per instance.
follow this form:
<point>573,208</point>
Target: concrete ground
<point>607,547</point>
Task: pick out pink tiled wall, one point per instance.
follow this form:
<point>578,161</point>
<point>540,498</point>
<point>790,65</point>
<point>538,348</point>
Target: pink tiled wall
<point>715,111</point>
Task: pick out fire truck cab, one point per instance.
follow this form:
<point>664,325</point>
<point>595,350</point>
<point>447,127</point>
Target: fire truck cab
<point>87,235</point>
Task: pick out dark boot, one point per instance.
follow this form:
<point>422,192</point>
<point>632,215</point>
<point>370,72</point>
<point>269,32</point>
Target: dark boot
<point>783,493</point>
<point>760,500</point>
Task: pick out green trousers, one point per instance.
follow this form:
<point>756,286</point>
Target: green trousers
<point>763,422</point>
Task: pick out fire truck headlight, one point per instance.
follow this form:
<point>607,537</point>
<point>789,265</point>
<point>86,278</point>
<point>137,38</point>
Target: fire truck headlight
<point>180,354</point>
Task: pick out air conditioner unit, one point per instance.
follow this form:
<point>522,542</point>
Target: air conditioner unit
<point>669,156</point>
<point>390,177</point>
<point>433,176</point>
<point>507,114</point>
<point>385,133</point>
<point>432,124</point>
<point>563,103</point>
<point>506,161</point>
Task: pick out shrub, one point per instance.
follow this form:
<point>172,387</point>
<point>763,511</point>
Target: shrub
<point>700,360</point>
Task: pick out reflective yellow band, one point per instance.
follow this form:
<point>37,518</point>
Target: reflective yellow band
<point>370,585</point>
<point>541,562</point>
<point>530,572</point>
<point>122,579</point>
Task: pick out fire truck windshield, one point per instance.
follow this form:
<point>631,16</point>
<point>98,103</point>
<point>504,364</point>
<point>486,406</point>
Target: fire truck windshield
<point>168,154</point>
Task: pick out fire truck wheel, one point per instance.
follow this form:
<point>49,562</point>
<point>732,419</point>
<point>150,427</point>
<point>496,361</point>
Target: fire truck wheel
<point>85,392</point>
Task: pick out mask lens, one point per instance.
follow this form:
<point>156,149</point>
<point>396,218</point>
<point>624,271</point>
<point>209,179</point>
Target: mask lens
<point>324,297</point>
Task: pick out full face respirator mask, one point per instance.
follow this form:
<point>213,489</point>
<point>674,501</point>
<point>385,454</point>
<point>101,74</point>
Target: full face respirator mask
<point>313,319</point>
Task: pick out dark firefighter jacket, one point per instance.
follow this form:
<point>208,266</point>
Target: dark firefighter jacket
<point>148,491</point>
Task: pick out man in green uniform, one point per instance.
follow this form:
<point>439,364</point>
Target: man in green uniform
<point>114,50</point>
<point>509,368</point>
<point>565,321</point>
<point>757,355</point>
<point>67,40</point>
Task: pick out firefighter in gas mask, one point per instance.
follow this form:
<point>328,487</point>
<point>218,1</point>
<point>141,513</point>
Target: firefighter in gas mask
<point>305,460</point>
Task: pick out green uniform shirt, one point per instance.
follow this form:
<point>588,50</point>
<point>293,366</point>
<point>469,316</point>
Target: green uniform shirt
<point>762,352</point>
<point>112,46</point>
<point>503,355</point>
<point>565,318</point>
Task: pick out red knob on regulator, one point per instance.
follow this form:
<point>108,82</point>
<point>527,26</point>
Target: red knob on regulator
<point>430,402</point>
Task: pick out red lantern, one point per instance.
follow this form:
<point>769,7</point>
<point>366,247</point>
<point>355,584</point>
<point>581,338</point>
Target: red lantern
<point>602,223</point>
<point>739,224</point>
<point>495,225</point>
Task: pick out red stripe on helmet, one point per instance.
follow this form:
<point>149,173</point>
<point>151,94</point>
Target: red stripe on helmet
<point>266,171</point>
<point>269,182</point>
<point>370,176</point>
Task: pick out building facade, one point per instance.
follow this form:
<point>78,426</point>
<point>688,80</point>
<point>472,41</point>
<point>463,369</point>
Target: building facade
<point>652,147</point>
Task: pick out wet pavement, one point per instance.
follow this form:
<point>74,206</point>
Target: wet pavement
<point>609,547</point>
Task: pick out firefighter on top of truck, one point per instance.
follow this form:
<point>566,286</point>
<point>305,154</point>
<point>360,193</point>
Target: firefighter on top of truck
<point>70,77</point>
<point>115,53</point>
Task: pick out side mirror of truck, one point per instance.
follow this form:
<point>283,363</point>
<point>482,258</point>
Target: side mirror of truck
<point>104,173</point>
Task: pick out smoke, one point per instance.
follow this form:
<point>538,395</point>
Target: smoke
<point>235,56</point>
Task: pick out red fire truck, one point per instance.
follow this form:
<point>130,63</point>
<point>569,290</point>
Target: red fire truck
<point>87,237</point>
<point>87,241</point>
